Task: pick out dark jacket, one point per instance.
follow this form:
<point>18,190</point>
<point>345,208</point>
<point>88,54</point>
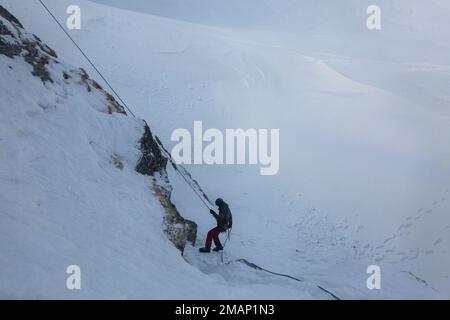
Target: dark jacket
<point>224,218</point>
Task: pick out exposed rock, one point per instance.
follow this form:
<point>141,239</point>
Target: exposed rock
<point>35,52</point>
<point>177,229</point>
<point>8,49</point>
<point>8,16</point>
<point>113,105</point>
<point>4,30</point>
<point>117,161</point>
<point>66,76</point>
<point>153,163</point>
<point>45,47</point>
<point>38,60</point>
<point>151,159</point>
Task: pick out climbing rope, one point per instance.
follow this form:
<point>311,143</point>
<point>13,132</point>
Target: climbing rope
<point>87,58</point>
<point>203,197</point>
<point>226,240</point>
<point>256,267</point>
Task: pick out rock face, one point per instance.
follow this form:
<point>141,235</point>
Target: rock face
<point>113,105</point>
<point>153,163</point>
<point>8,16</point>
<point>151,158</point>
<point>178,229</point>
<point>15,41</point>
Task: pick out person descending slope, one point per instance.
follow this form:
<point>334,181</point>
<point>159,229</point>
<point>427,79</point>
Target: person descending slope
<point>224,222</point>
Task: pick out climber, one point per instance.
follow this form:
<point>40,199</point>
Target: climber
<point>224,222</point>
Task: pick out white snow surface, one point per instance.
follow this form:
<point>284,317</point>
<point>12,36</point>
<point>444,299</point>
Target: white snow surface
<point>364,163</point>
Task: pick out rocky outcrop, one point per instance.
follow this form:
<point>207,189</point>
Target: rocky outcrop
<point>15,42</point>
<point>151,159</point>
<point>153,163</point>
<point>178,229</point>
<point>113,105</point>
<point>8,16</point>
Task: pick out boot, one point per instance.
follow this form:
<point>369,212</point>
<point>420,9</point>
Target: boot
<point>204,250</point>
<point>218,248</point>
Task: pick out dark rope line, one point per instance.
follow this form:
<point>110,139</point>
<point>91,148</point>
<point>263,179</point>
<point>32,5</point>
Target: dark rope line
<point>185,179</point>
<point>330,293</point>
<point>203,197</point>
<point>87,58</point>
<point>254,266</point>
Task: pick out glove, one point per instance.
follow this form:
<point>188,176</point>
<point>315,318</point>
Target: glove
<point>211,211</point>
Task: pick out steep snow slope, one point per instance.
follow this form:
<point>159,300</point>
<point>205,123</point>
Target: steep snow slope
<point>64,201</point>
<point>362,117</point>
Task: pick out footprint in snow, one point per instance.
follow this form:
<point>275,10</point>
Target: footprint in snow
<point>390,239</point>
<point>404,258</point>
<point>404,226</point>
<point>38,202</point>
<point>437,242</point>
<point>429,211</point>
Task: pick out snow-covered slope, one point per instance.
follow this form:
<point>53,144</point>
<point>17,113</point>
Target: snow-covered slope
<point>70,193</point>
<point>363,116</point>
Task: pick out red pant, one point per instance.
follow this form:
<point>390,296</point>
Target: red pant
<point>213,234</point>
